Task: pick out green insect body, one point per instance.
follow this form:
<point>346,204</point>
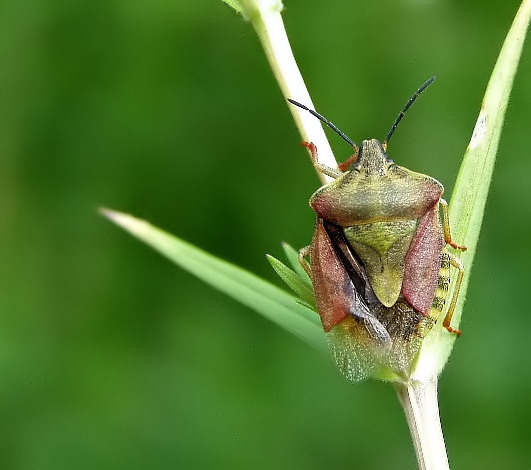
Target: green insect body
<point>381,207</point>
<point>378,259</point>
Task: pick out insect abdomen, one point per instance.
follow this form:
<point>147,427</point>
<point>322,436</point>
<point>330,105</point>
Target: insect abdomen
<point>443,286</point>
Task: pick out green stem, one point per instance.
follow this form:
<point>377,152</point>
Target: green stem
<point>267,22</point>
<point>419,401</point>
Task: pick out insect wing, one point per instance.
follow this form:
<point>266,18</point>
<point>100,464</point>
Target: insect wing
<point>423,262</point>
<point>357,338</point>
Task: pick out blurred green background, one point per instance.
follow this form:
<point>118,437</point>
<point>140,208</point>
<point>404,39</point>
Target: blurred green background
<point>111,357</point>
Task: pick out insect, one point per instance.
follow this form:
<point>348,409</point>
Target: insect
<point>379,258</point>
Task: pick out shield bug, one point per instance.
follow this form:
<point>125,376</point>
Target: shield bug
<point>379,261</point>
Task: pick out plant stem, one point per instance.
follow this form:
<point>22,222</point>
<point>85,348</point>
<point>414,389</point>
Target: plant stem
<point>419,401</point>
<point>418,395</point>
<point>267,22</point>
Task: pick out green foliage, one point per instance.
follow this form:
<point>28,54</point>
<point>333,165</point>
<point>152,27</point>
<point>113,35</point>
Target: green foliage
<point>295,282</point>
<point>234,4</point>
<point>263,297</point>
<point>110,356</point>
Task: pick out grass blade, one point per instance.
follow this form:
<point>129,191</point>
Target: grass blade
<point>267,299</point>
<point>294,281</point>
<point>471,189</point>
<point>293,257</point>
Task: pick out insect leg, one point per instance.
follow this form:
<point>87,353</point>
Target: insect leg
<point>326,170</point>
<point>350,160</point>
<point>446,225</point>
<point>448,318</point>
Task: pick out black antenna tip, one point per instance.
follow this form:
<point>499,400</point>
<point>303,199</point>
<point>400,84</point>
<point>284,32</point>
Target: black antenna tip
<point>402,113</point>
<point>324,120</point>
<point>427,83</point>
<point>300,105</point>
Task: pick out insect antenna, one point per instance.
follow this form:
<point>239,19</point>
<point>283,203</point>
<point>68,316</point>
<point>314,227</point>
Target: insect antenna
<point>401,114</point>
<point>330,124</point>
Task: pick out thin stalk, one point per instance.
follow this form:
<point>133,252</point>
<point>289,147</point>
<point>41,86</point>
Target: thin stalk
<point>267,21</point>
<point>419,401</point>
